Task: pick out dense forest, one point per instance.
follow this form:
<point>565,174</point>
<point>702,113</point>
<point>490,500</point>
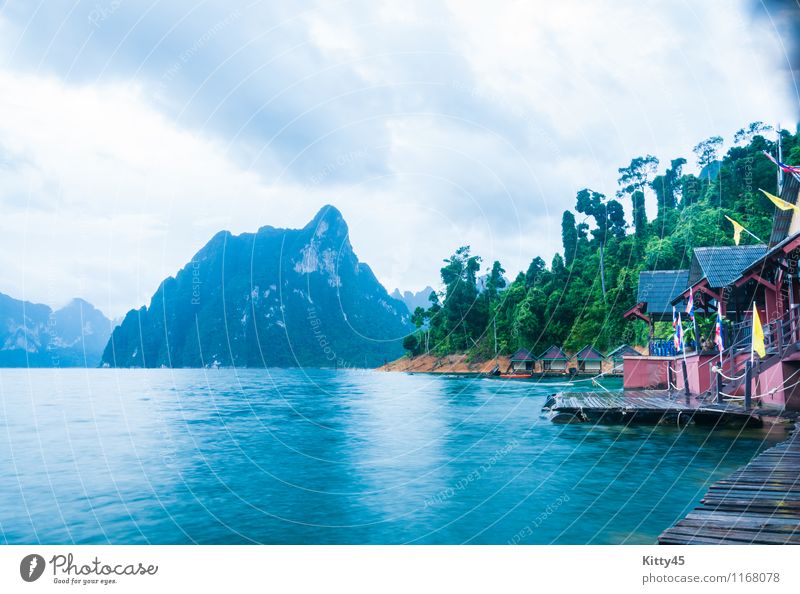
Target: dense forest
<point>580,297</point>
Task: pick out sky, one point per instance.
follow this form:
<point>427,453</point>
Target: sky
<point>131,132</point>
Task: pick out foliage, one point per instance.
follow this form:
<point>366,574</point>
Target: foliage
<point>632,181</point>
<point>706,151</point>
<point>564,303</point>
<point>569,236</point>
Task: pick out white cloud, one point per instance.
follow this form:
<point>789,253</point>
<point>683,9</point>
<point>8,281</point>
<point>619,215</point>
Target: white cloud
<point>429,124</point>
<point>110,197</point>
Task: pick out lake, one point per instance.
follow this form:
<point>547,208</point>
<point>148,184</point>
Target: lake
<point>323,456</point>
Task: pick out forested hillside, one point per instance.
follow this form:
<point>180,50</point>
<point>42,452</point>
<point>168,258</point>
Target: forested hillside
<point>579,298</point>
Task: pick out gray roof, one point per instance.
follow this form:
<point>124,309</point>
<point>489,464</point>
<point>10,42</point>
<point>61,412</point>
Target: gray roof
<point>589,353</point>
<point>776,249</point>
<point>523,355</point>
<point>554,353</point>
<point>721,265</point>
<point>783,218</point>
<point>658,288</point>
<point>623,350</point>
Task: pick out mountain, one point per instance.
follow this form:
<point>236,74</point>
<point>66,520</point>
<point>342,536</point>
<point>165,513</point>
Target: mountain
<point>483,279</point>
<point>414,300</point>
<point>711,171</point>
<point>277,297</point>
<point>33,335</point>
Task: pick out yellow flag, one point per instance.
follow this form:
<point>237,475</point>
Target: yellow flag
<point>758,335</point>
<point>782,204</point>
<point>737,230</point>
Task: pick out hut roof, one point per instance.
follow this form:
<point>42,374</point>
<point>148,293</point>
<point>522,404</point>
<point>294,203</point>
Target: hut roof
<point>523,355</point>
<point>782,248</point>
<point>553,353</point>
<point>623,350</point>
<point>783,218</point>
<point>657,288</point>
<point>721,265</point>
<point>589,353</point>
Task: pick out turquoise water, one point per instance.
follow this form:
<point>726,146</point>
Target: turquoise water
<point>320,456</point>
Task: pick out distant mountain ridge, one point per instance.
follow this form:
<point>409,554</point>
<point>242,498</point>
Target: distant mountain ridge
<point>414,300</point>
<point>33,335</point>
<point>277,297</point>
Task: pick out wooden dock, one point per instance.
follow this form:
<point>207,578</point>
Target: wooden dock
<point>649,407</point>
<point>757,504</point>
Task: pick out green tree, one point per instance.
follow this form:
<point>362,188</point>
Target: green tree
<point>569,236</point>
<point>616,219</point>
<point>495,282</point>
<point>707,150</point>
<point>632,181</point>
<point>464,318</point>
<point>534,272</point>
<point>593,204</point>
<point>529,318</point>
<point>639,214</point>
<point>691,189</point>
<point>565,303</point>
<point>667,187</point>
<point>411,344</point>
<point>745,135</point>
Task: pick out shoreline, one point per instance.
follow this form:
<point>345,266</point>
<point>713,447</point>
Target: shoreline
<point>447,365</point>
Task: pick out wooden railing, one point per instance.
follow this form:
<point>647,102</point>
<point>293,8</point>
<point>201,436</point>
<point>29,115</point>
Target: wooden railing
<point>783,334</point>
<point>779,334</point>
<point>781,337</point>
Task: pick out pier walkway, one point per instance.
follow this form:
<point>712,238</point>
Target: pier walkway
<point>647,407</point>
<point>757,504</point>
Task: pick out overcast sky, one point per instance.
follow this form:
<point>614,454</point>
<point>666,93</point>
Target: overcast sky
<point>131,132</point>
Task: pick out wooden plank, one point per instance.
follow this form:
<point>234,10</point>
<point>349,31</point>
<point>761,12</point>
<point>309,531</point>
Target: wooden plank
<point>691,535</point>
<point>645,407</point>
<point>760,536</point>
<point>759,503</point>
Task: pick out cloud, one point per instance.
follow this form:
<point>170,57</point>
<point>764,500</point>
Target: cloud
<point>107,196</point>
<point>131,133</point>
<point>782,19</point>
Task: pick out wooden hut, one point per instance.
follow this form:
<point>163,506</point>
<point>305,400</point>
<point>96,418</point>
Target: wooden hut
<point>589,360</point>
<point>521,362</point>
<point>657,289</point>
<point>713,276</point>
<point>553,361</point>
<point>729,281</point>
<point>616,358</point>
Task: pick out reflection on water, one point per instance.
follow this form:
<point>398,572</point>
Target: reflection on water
<point>319,456</point>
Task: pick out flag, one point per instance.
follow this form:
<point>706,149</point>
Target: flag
<point>690,305</point>
<point>737,230</point>
<point>782,204</point>
<point>674,318</point>
<point>718,333</point>
<point>758,335</point>
<point>679,335</point>
<point>783,166</point>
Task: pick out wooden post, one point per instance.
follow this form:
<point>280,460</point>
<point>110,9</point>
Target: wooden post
<point>719,384</point>
<point>669,377</point>
<point>748,384</point>
<point>685,379</point>
<point>792,328</point>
